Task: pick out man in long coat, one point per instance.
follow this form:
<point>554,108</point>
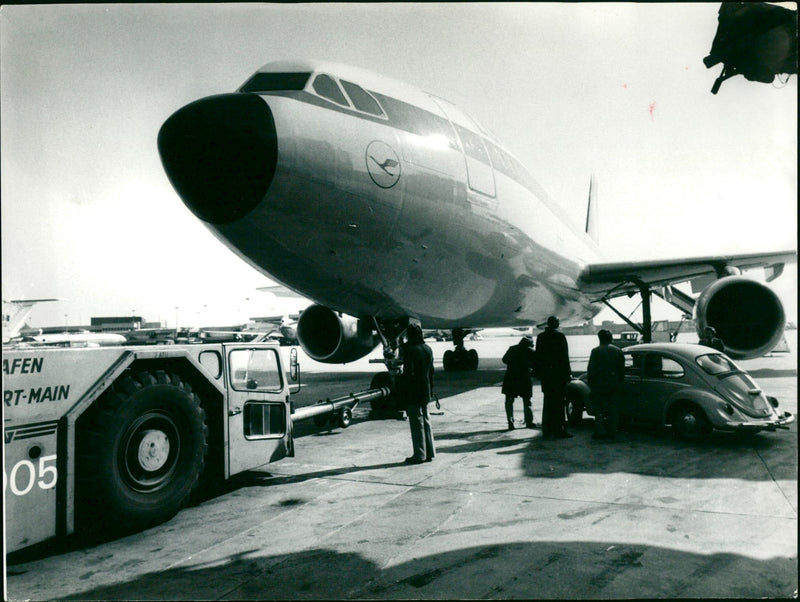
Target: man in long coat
<point>606,374</point>
<point>418,387</point>
<point>520,359</point>
<point>552,357</point>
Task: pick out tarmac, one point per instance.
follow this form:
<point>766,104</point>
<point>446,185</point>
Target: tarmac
<point>498,514</point>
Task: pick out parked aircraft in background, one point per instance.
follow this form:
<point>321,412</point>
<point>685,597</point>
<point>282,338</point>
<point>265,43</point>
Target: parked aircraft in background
<point>383,203</point>
<point>16,311</point>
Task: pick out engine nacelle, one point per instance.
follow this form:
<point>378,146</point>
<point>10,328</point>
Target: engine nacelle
<point>747,316</point>
<point>333,338</point>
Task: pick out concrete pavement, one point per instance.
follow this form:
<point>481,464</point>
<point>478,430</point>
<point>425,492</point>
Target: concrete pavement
<point>497,514</point>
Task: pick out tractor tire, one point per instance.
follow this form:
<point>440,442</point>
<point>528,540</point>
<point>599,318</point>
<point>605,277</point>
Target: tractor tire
<point>140,451</point>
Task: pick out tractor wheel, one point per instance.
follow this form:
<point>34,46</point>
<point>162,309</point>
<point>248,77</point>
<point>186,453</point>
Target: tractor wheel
<point>140,451</point>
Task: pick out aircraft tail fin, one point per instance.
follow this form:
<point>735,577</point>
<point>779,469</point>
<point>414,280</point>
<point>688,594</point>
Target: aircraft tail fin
<point>15,312</point>
<point>591,212</point>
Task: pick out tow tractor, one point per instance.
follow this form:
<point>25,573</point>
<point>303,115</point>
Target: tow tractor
<point>120,437</point>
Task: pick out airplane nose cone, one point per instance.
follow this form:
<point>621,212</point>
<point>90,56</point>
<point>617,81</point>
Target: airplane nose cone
<point>220,154</point>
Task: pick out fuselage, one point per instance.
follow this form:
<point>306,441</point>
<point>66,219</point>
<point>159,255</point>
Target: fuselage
<point>375,199</point>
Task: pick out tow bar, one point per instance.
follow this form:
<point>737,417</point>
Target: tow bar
<point>342,407</point>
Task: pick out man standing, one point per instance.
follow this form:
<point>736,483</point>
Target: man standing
<point>552,357</point>
<point>517,380</point>
<point>418,387</point>
<point>710,339</point>
<point>606,375</point>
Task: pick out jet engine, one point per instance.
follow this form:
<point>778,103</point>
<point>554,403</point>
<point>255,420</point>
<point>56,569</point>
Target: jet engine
<point>332,337</point>
<point>747,315</point>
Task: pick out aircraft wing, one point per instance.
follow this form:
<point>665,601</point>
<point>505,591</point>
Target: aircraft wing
<point>615,279</point>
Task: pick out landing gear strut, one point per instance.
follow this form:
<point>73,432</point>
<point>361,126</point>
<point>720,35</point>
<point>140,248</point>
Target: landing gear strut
<point>459,358</point>
<point>390,333</point>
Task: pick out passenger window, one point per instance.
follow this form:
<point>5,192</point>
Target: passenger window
<point>652,366</point>
<point>633,365</point>
<point>362,99</point>
<point>671,368</point>
<point>326,86</point>
<point>255,370</point>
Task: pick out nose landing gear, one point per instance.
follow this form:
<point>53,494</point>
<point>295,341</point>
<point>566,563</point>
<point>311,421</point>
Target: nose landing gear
<point>460,358</point>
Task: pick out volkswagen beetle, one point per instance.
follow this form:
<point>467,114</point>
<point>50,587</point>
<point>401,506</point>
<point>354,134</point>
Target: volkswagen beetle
<point>693,388</point>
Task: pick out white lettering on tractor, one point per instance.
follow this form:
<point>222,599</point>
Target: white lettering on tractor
<point>24,476</point>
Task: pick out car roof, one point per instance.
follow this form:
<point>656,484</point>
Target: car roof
<point>684,349</point>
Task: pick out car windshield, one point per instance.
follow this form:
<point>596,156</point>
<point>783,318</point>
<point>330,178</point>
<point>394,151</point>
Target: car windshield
<point>716,364</point>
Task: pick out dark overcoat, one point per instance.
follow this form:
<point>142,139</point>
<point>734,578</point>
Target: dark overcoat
<point>417,373</point>
<point>517,381</point>
<point>552,358</point>
<point>606,370</point>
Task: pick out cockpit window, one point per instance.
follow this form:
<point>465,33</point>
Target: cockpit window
<point>362,100</point>
<point>266,82</point>
<point>326,86</point>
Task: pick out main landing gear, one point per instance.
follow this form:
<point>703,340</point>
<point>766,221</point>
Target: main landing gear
<point>459,358</point>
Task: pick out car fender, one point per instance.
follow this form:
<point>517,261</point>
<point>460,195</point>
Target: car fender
<point>581,388</point>
<point>707,401</point>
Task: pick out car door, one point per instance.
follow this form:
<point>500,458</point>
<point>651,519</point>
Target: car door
<point>628,400</point>
<point>662,378</point>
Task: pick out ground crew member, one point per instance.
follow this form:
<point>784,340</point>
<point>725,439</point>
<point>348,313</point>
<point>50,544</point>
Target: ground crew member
<point>606,374</point>
<point>418,388</point>
<point>519,360</point>
<point>710,339</point>
<point>552,359</point>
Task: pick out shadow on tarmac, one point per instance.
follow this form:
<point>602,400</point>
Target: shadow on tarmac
<point>530,570</point>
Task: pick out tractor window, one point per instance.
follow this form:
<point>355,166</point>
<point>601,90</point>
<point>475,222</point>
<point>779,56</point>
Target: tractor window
<point>255,370</point>
<point>326,86</point>
<point>210,360</point>
<point>264,420</point>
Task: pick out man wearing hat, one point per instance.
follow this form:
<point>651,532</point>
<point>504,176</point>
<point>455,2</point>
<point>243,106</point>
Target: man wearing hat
<point>710,339</point>
<point>552,357</point>
<point>520,359</point>
<point>418,387</point>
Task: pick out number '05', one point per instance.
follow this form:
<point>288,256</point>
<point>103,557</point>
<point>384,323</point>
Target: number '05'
<point>23,476</point>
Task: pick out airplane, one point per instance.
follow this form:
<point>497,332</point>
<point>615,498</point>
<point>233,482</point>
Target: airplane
<point>384,204</point>
<point>17,311</point>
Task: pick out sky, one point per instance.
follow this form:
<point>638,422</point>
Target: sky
<point>617,91</point>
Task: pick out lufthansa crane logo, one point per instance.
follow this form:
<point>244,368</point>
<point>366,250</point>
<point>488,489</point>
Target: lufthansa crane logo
<point>383,164</point>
